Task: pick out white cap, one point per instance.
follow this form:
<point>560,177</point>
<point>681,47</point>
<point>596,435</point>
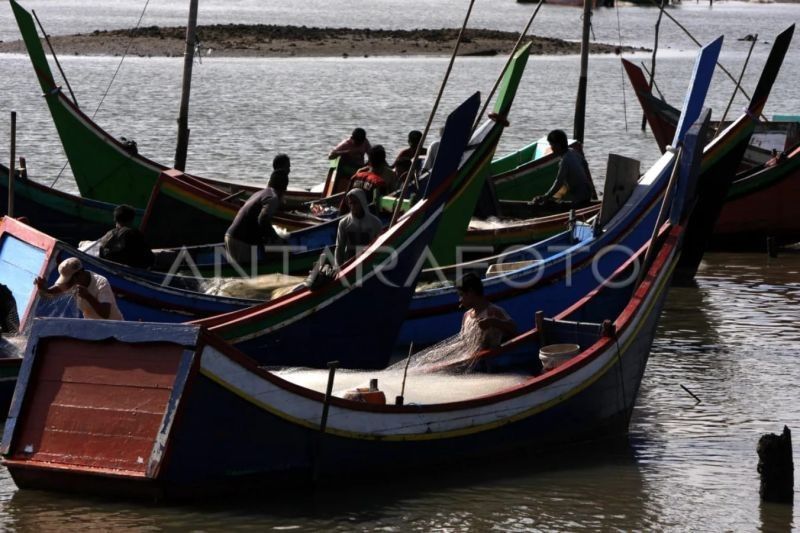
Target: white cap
<point>67,269</point>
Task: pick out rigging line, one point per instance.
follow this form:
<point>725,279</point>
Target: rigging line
<point>127,48</point>
<point>621,69</point>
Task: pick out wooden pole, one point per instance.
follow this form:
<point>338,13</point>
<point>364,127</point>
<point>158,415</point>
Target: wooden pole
<point>580,101</point>
<point>653,60</point>
<point>183,116</point>
<point>738,84</point>
<point>673,179</point>
<point>508,62</point>
<point>11,169</point>
<point>413,170</point>
<point>695,41</point>
<point>323,423</point>
<point>776,467</point>
<point>55,57</point>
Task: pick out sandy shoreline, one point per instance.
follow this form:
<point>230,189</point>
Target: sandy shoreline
<point>240,40</point>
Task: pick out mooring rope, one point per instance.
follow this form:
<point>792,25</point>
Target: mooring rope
<point>127,48</point>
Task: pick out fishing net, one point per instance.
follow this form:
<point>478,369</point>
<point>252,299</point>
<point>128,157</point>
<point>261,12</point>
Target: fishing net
<point>264,288</point>
<point>61,306</point>
<point>444,372</point>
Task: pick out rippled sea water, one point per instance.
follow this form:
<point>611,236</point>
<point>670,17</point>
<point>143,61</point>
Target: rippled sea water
<point>734,340</point>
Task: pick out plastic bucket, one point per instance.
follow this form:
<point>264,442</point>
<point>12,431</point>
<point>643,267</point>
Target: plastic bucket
<point>555,355</point>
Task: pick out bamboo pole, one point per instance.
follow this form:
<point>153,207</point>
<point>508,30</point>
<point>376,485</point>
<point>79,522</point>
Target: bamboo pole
<point>738,84</point>
<point>323,423</point>
<point>583,81</point>
<point>55,57</point>
<point>183,116</point>
<point>695,41</point>
<point>508,62</point>
<point>413,170</point>
<point>673,179</point>
<point>11,169</point>
<point>653,60</point>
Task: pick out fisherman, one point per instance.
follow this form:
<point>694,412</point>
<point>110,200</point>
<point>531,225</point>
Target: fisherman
<point>94,296</point>
<point>414,138</point>
<point>357,229</point>
<point>253,223</point>
<point>484,322</point>
<point>352,149</point>
<point>573,187</point>
<point>9,318</point>
<point>377,178</point>
<point>125,244</point>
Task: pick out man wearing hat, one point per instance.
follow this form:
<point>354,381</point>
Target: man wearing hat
<point>93,292</point>
<point>253,223</point>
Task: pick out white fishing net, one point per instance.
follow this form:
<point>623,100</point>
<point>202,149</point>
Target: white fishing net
<point>264,288</point>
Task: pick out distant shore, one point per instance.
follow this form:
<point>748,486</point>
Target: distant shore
<point>240,40</point>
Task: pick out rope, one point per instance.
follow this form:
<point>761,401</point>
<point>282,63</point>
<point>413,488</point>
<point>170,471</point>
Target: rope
<point>127,48</point>
<point>621,69</point>
<point>621,376</point>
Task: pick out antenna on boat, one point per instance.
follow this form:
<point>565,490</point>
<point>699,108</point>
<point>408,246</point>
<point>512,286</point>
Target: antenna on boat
<point>508,62</point>
<point>580,101</point>
<point>55,57</point>
<point>183,116</point>
<point>412,172</point>
<point>399,400</point>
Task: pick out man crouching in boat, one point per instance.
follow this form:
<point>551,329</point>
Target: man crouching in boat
<point>573,187</point>
<point>252,225</point>
<point>357,229</point>
<point>484,325</point>
<point>93,292</point>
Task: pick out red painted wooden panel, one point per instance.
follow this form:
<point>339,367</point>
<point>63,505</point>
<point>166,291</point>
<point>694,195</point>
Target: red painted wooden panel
<point>96,404</point>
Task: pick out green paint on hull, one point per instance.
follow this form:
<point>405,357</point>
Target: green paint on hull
<point>458,211</point>
<point>102,168</point>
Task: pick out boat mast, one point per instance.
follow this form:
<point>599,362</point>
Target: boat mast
<point>183,116</point>
<point>580,102</point>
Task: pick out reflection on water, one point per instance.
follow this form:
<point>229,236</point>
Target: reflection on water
<point>601,488</point>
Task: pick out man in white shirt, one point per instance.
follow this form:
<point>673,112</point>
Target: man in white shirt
<point>92,291</point>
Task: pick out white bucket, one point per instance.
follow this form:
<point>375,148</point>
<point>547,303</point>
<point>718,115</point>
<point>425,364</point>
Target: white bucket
<point>555,355</point>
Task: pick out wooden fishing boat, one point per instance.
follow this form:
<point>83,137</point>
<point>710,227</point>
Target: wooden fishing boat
<point>722,158</point>
<point>71,218</point>
<point>564,263</point>
<point>279,431</point>
<point>105,169</point>
<point>386,272</point>
<point>761,204</point>
<point>559,269</point>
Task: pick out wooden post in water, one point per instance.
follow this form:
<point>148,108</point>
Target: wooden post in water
<point>580,101</point>
<point>11,169</point>
<point>653,59</point>
<point>183,116</point>
<point>776,467</point>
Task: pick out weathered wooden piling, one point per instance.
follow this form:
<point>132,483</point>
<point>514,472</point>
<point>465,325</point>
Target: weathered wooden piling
<point>772,247</point>
<point>776,467</point>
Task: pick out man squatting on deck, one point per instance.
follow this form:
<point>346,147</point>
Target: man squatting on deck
<point>253,223</point>
<point>483,319</point>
